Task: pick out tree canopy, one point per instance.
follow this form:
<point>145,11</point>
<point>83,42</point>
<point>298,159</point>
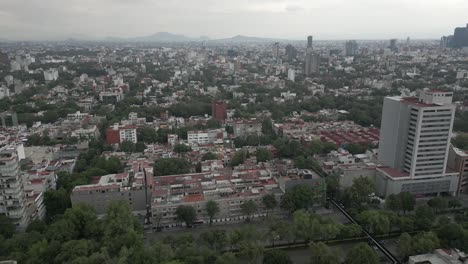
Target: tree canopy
<point>171,166</point>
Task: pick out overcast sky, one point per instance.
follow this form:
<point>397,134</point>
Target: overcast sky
<point>294,19</point>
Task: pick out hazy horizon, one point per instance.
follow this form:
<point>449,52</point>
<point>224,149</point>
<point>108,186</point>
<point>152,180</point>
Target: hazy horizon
<point>285,19</point>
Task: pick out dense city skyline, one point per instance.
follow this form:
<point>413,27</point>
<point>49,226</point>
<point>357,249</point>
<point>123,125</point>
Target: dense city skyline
<point>229,132</point>
<point>336,19</point>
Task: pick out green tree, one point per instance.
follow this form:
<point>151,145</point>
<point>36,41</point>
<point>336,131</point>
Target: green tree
<point>239,158</point>
<point>298,197</point>
<point>356,148</point>
<point>362,254</point>
<point>85,220</point>
<point>226,258</point>
<point>229,129</point>
<point>328,147</point>
<point>61,231</point>
<point>140,146</point>
<point>216,239</point>
<point>375,221</point>
<point>306,225</point>
<point>281,229</point>
<point>212,209</point>
<point>359,192</point>
<point>127,146</point>
<point>393,202</point>
<point>121,228</point>
<point>350,230</point>
<point>7,228</point>
<point>161,253</point>
<point>406,223</point>
<point>56,202</point>
<point>250,252</point>
<point>408,201</point>
<point>147,135</point>
<point>186,214</point>
<point>438,203</point>
<point>213,123</point>
<point>322,254</point>
<point>248,208</point>
<point>263,155</point>
<point>182,148</point>
<point>209,156</point>
<point>461,141</point>
<point>50,116</point>
<point>171,166</point>
<point>73,249</point>
<point>424,217</point>
<point>38,226</point>
<point>454,203</point>
<point>404,246</point>
<point>451,235</point>
<point>333,183</point>
<point>316,147</point>
<point>274,256</point>
<point>269,202</point>
<point>425,242</point>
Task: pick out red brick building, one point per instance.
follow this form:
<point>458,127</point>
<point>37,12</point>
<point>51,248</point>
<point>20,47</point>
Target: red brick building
<point>112,136</point>
<point>218,110</point>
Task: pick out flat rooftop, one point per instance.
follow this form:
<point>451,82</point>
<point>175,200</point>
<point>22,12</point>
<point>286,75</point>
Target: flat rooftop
<point>393,173</point>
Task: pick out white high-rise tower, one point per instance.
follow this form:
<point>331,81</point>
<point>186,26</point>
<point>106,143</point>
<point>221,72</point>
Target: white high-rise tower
<point>414,142</point>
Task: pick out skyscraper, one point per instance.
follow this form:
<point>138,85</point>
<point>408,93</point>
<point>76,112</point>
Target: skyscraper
<point>275,50</point>
<point>351,48</point>
<point>460,37</point>
<point>446,41</point>
<point>309,43</point>
<point>290,52</point>
<point>291,75</point>
<point>414,143</point>
<point>312,60</point>
<point>393,45</point>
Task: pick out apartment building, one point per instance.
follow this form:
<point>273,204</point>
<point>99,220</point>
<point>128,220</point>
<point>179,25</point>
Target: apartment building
<point>13,200</point>
<point>229,191</point>
<point>206,137</point>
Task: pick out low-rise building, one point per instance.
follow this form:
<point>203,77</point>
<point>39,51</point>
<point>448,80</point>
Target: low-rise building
<point>243,128</point>
<point>132,187</point>
<point>229,191</point>
<point>440,256</point>
<point>86,133</point>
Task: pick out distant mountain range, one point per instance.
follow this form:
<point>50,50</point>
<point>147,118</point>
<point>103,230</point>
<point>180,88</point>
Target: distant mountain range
<point>167,37</point>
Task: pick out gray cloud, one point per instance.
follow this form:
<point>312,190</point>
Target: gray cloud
<point>294,8</point>
<point>339,19</point>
